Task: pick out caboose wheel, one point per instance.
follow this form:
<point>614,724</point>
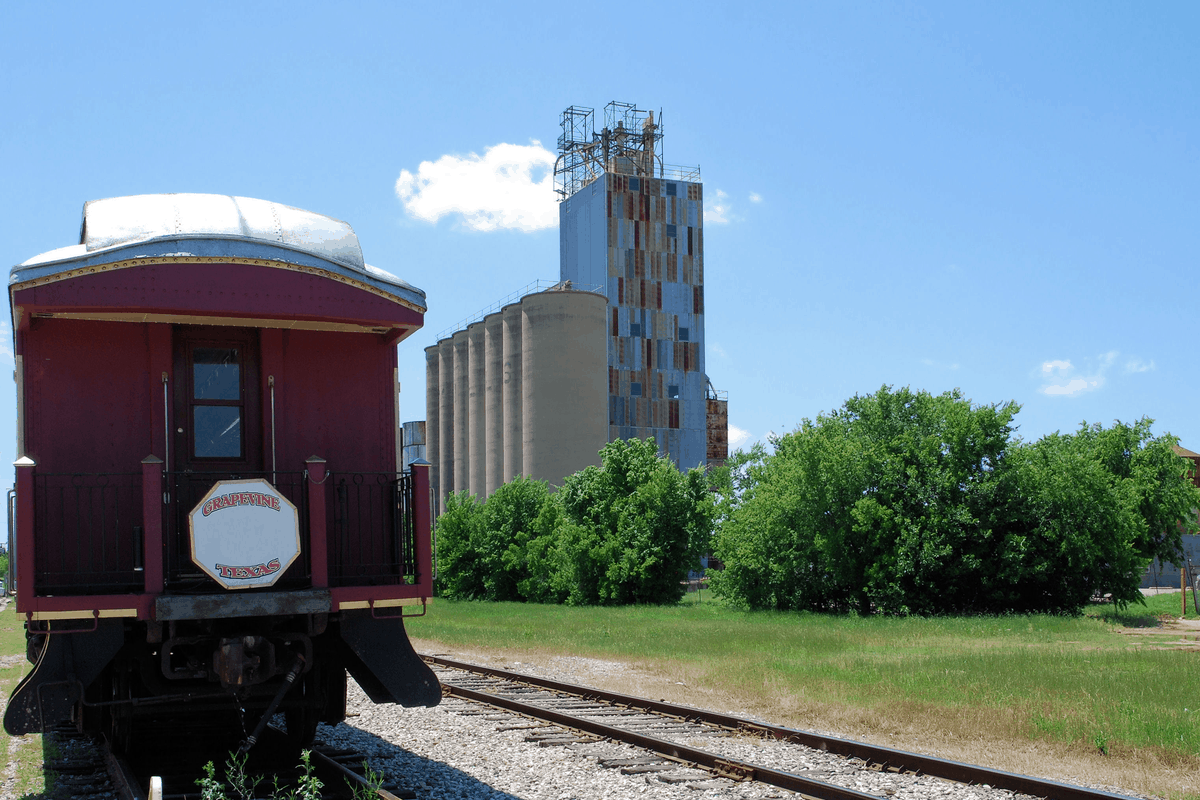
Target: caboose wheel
<point>119,727</point>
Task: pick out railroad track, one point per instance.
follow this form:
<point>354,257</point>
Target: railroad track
<point>340,771</point>
<point>581,714</point>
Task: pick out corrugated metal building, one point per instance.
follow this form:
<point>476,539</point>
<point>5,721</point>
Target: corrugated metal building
<point>412,443</point>
<point>717,404</point>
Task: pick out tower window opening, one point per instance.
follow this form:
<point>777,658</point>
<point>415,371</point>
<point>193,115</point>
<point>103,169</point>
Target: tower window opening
<point>683,334</point>
<point>635,389</point>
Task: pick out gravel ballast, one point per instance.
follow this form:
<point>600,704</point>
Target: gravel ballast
<point>455,751</point>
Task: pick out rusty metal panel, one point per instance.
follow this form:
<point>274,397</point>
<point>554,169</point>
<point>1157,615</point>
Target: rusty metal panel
<point>718,431</point>
<point>211,606</point>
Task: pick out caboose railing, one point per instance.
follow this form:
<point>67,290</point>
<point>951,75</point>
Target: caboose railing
<point>88,534</point>
<point>364,535</point>
<point>371,538</point>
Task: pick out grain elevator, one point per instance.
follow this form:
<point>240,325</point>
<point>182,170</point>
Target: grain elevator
<point>614,349</point>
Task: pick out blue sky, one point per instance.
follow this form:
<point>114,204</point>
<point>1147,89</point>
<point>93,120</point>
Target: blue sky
<point>997,197</point>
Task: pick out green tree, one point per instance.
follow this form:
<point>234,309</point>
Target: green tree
<point>633,527</point>
<point>730,480</point>
<point>1166,499</point>
<point>1092,509</point>
<point>547,561</point>
<point>484,549</point>
<point>509,526</point>
<point>1071,528</point>
<point>905,502</point>
<point>872,506</point>
<point>457,536</point>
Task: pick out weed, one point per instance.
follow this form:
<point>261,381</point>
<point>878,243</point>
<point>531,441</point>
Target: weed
<point>309,787</point>
<point>210,787</point>
<point>1100,740</point>
<point>370,791</point>
<point>242,784</point>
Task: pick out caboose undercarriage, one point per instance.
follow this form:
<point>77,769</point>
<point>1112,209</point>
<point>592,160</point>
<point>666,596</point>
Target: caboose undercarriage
<point>249,668</point>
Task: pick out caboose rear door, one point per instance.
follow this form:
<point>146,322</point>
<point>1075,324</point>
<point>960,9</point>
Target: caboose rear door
<point>216,421</point>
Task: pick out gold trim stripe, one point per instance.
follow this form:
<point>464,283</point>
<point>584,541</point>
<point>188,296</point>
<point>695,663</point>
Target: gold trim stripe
<point>104,613</point>
<point>254,262</point>
<point>392,603</point>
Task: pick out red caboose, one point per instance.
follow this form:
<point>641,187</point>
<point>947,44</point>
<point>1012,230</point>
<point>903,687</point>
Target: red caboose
<point>210,512</point>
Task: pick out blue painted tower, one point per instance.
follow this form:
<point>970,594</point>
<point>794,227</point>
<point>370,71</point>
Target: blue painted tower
<point>634,225</point>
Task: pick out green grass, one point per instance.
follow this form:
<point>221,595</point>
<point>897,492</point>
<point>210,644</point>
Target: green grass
<point>1138,615</point>
<point>29,752</point>
<point>1060,678</point>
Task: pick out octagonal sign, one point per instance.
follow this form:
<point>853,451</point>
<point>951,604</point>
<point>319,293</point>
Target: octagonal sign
<point>244,533</point>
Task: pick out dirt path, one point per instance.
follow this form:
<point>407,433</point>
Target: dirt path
<point>1171,633</point>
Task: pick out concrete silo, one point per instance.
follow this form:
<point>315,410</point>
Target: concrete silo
<point>564,382</point>
<point>475,414</point>
<point>445,453</point>
<point>521,392</point>
<point>462,406</point>
<point>493,403</point>
<point>433,409</point>
<point>510,390</point>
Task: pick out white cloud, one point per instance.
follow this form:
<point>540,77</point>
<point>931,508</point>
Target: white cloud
<point>1048,367</point>
<point>716,348</point>
<point>1066,380</point>
<point>1074,386</point>
<point>755,197</point>
<point>510,186</point>
<point>1137,365</point>
<point>718,211</point>
<point>737,436</point>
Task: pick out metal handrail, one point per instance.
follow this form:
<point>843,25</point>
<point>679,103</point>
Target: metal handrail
<point>379,504</point>
<point>86,524</point>
<point>532,288</point>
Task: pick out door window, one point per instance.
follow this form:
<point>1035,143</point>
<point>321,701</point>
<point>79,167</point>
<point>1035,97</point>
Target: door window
<point>217,403</point>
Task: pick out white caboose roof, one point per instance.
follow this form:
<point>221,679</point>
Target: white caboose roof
<point>212,225</point>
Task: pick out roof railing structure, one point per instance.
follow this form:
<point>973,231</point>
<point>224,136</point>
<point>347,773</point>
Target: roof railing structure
<point>539,285</point>
<point>630,143</point>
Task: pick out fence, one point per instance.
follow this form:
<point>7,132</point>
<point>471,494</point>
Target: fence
<point>88,537</point>
<point>371,540</point>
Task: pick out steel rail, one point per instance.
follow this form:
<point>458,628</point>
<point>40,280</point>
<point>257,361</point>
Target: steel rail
<point>121,774</point>
<point>350,775</point>
<point>887,758</point>
<point>727,767</point>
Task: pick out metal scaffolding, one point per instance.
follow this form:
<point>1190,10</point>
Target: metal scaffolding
<point>630,143</point>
